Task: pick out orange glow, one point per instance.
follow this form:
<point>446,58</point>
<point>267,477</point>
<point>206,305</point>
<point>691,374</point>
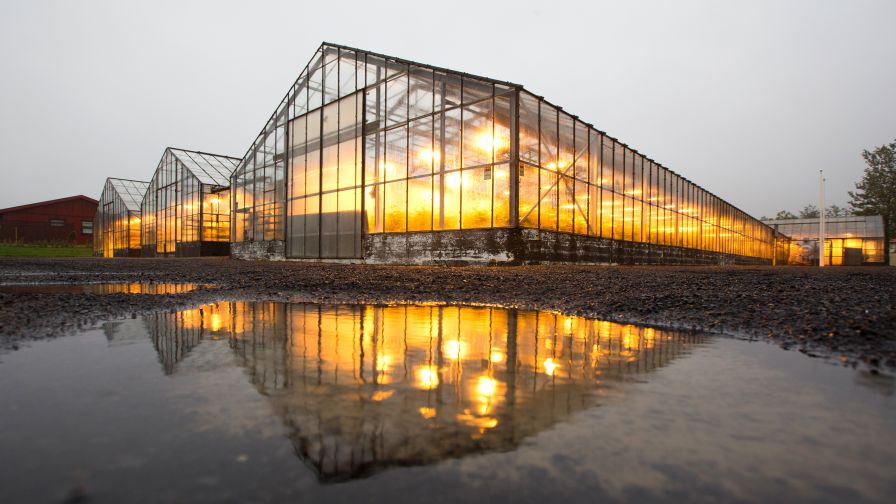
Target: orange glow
<point>550,367</point>
<point>481,423</point>
<point>382,395</point>
<point>486,386</point>
<point>429,155</point>
<point>454,349</point>
<point>427,377</point>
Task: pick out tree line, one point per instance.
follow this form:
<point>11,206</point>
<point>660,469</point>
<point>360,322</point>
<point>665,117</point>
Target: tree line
<point>875,194</point>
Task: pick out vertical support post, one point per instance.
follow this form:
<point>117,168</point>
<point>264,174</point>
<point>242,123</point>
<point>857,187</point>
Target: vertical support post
<point>510,356</point>
<point>821,219</point>
<point>442,91</point>
<point>515,159</point>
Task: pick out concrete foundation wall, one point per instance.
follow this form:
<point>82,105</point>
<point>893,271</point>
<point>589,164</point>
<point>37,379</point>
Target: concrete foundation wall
<point>258,250</point>
<point>505,246</point>
<point>530,246</point>
<point>192,249</point>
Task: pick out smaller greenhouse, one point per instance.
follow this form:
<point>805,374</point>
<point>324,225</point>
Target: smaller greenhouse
<point>116,226</point>
<point>856,240</point>
<point>186,207</point>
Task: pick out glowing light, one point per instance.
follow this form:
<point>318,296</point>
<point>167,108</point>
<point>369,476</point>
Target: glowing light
<point>496,356</point>
<point>215,322</point>
<point>383,363</point>
<point>429,155</point>
<point>488,142</point>
<point>452,180</point>
<point>550,367</point>
<point>481,423</point>
<point>386,167</point>
<point>454,349</point>
<point>427,377</point>
<point>486,386</point>
<point>427,413</point>
<point>382,395</point>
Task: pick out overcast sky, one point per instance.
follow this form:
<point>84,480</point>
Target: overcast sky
<point>748,99</point>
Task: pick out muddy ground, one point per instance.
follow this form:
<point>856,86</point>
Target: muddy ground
<point>845,314</point>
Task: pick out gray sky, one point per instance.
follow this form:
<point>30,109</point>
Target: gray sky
<point>748,99</point>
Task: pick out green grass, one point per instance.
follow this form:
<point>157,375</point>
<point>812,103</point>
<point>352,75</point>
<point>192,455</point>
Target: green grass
<point>27,250</point>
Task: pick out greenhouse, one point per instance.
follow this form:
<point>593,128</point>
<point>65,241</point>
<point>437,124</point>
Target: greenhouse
<point>116,226</point>
<point>378,159</point>
<point>186,208</point>
<point>855,240</point>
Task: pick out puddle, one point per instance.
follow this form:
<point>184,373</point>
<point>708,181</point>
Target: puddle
<point>102,288</point>
<point>266,401</point>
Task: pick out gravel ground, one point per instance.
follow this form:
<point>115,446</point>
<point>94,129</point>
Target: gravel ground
<point>844,314</point>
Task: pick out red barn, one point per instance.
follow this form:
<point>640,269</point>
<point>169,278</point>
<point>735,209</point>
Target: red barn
<point>68,220</point>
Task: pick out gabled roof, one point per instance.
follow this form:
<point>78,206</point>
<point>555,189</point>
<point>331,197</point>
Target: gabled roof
<point>211,169</point>
<point>49,202</point>
<point>130,191</point>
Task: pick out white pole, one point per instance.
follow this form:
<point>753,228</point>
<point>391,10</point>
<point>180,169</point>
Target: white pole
<point>821,219</point>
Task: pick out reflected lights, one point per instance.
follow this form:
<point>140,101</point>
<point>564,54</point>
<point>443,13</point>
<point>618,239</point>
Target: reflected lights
<point>486,386</point>
<point>455,350</point>
<point>550,367</point>
<point>427,377</point>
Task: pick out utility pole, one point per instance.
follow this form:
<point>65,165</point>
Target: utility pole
<point>821,219</point>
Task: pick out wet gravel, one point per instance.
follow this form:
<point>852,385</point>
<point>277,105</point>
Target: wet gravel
<point>844,314</point>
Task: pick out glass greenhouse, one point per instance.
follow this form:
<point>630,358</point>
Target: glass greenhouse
<point>375,158</point>
<point>116,226</point>
<point>853,241</point>
<point>186,208</point>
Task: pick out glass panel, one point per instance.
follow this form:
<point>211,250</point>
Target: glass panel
<point>528,197</point>
<point>478,142</point>
<point>501,197</point>
<point>396,203</point>
<point>422,154</point>
<point>477,198</point>
<point>528,128</point>
<point>449,216</point>
<point>420,204</point>
<point>567,203</point>
<point>548,136</point>
<point>548,205</point>
<point>420,92</point>
<point>396,153</point>
<point>397,100</point>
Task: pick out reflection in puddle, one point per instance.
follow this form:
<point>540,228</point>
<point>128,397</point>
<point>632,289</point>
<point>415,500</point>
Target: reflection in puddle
<point>361,388</point>
<point>272,402</point>
<point>101,288</point>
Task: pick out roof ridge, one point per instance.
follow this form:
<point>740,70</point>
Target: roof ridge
<point>47,202</point>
